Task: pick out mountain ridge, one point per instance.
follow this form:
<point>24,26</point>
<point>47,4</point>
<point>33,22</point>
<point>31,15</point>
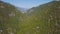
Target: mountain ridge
<point>45,19</point>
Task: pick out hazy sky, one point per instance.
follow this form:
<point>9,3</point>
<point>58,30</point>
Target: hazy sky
<point>27,3</point>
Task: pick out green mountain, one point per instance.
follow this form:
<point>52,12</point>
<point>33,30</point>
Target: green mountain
<point>44,19</point>
<point>10,18</point>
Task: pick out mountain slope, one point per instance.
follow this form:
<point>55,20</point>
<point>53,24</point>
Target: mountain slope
<point>10,18</point>
<point>45,19</point>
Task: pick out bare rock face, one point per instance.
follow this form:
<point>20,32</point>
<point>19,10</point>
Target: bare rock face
<point>11,14</point>
<point>1,30</point>
<point>1,6</point>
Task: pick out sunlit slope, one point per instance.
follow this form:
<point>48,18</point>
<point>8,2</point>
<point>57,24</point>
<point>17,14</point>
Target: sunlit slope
<point>45,19</point>
<point>10,18</point>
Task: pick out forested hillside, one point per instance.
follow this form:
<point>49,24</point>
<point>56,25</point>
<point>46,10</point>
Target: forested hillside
<point>43,19</point>
<point>10,18</point>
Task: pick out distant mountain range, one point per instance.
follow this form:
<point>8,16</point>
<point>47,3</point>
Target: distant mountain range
<point>23,10</point>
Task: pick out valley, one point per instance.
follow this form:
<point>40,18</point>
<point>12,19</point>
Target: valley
<point>43,19</point>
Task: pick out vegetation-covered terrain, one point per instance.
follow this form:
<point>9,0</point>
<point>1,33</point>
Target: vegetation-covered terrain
<point>10,18</point>
<point>43,19</point>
